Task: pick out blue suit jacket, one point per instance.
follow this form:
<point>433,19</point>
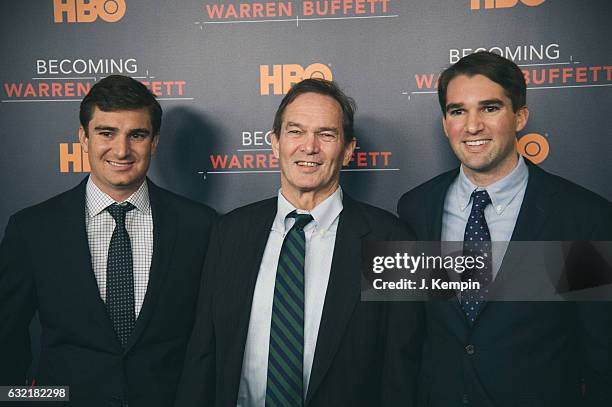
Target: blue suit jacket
<point>518,354</point>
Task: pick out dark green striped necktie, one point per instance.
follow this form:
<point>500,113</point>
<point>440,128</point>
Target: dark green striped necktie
<point>285,385</point>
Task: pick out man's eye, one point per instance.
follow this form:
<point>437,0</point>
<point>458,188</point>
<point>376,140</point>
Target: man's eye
<point>137,136</point>
<point>294,132</point>
<point>105,133</point>
<point>327,136</point>
<point>455,112</point>
<point>490,109</point>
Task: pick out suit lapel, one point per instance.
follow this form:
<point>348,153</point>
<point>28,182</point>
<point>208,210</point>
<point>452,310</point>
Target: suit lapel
<point>435,209</point>
<point>253,241</point>
<point>434,220</point>
<point>535,208</point>
<point>530,222</point>
<point>164,238</point>
<point>74,238</point>
<point>343,291</point>
<point>254,245</point>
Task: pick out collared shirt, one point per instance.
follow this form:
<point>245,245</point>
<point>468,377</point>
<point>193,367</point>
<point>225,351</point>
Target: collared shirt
<point>100,226</point>
<point>320,236</point>
<point>506,199</point>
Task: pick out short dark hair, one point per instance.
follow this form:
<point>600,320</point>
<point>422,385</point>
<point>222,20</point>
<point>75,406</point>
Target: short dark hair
<point>497,68</point>
<point>322,87</point>
<point>118,92</point>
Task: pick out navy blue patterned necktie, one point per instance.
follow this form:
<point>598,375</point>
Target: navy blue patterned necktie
<point>120,276</point>
<point>285,385</point>
<point>477,242</point>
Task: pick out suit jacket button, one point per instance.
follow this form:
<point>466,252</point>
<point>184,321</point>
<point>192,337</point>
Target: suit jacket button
<point>465,399</point>
<point>469,349</point>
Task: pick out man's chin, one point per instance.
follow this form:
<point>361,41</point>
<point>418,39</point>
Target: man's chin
<point>477,168</point>
<point>478,164</point>
<point>125,184</point>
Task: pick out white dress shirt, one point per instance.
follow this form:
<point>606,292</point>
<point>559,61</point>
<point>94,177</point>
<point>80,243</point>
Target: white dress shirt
<point>506,199</point>
<point>100,226</point>
<point>320,236</point>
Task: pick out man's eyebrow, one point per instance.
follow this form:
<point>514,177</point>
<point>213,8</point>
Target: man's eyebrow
<point>115,129</point>
<point>332,129</point>
<point>105,128</point>
<point>293,124</point>
<point>487,102</point>
<point>452,106</point>
<point>491,102</point>
<point>143,130</point>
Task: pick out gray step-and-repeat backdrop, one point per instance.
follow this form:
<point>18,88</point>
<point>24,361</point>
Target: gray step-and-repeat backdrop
<point>220,69</point>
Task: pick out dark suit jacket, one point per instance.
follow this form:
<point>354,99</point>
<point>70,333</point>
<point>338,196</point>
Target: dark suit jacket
<point>350,353</point>
<point>518,354</point>
<point>45,265</point>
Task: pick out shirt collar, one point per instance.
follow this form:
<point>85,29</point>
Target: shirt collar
<point>324,214</point>
<point>97,201</point>
<point>502,192</point>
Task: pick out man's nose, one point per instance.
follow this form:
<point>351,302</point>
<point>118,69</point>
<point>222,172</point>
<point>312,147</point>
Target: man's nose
<point>121,146</point>
<point>311,144</point>
<point>473,123</point>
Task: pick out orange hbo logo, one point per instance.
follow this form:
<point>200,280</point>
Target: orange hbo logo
<point>77,158</point>
<point>88,11</point>
<point>281,77</point>
<point>534,147</point>
<point>476,4</point>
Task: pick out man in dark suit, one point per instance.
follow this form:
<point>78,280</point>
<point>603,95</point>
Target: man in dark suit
<point>112,266</point>
<point>486,353</point>
<point>280,320</point>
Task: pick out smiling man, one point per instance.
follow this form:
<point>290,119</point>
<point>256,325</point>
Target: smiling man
<point>505,354</point>
<point>112,266</point>
<point>280,322</point>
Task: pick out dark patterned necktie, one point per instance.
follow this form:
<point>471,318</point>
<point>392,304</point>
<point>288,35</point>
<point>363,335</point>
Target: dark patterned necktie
<point>285,385</point>
<point>477,242</point>
<point>120,276</point>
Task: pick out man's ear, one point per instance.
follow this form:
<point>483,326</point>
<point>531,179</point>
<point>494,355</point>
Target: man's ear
<point>444,125</point>
<point>522,116</point>
<point>274,141</point>
<point>83,139</point>
<point>348,151</point>
<point>154,143</point>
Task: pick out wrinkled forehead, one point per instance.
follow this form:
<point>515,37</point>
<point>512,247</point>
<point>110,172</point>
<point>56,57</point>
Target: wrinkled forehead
<point>313,110</point>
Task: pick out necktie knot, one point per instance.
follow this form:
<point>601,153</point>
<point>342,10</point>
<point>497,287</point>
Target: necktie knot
<point>480,200</point>
<point>301,219</point>
<point>118,211</point>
